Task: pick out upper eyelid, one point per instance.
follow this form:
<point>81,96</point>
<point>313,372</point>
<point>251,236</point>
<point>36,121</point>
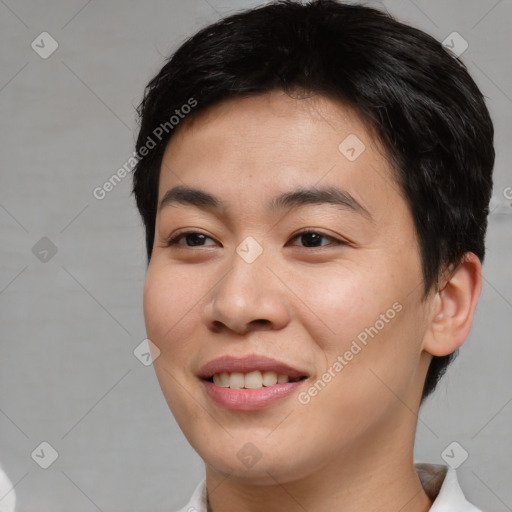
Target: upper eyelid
<point>180,234</point>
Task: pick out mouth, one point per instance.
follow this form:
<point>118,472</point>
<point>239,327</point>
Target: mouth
<point>250,383</point>
<point>251,372</point>
<point>251,380</point>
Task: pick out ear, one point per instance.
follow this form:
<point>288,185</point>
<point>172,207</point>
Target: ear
<point>453,307</point>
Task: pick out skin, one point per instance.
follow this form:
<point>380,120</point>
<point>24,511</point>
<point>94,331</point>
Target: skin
<point>351,447</point>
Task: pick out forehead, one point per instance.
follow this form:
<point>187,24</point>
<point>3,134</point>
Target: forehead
<point>248,148</point>
<point>274,119</point>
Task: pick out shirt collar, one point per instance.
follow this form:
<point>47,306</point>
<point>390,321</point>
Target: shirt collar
<point>442,487</point>
<point>440,483</point>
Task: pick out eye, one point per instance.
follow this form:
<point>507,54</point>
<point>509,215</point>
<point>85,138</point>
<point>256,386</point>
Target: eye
<point>309,237</point>
<point>194,238</point>
<point>313,238</point>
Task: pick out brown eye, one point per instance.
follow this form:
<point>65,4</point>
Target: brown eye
<point>314,239</point>
<point>192,239</point>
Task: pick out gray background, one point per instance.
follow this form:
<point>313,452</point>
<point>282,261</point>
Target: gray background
<point>69,325</point>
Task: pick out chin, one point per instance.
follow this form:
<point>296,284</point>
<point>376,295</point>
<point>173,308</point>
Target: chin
<point>266,465</point>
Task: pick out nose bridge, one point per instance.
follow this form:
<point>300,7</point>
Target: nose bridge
<point>249,291</point>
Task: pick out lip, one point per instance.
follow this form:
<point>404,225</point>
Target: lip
<point>249,399</point>
<point>248,364</point>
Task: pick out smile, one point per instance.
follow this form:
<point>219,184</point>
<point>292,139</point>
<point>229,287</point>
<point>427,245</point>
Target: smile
<point>249,383</point>
<point>252,380</point>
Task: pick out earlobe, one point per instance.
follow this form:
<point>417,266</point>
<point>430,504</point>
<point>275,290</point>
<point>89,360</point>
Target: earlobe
<point>454,306</point>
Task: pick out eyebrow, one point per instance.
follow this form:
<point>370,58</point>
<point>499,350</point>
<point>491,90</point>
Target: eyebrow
<point>287,201</point>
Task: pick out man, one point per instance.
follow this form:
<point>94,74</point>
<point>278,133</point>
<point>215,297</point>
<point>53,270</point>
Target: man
<point>296,368</point>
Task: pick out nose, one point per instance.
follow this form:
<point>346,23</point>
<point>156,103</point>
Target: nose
<point>248,297</point>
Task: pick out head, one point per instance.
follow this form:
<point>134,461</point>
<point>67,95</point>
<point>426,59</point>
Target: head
<point>318,97</point>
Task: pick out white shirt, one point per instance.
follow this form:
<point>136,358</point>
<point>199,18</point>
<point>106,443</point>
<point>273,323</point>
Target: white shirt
<point>7,494</point>
<point>440,484</point>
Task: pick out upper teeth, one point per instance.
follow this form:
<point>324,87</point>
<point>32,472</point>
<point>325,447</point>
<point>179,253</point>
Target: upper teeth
<point>251,380</point>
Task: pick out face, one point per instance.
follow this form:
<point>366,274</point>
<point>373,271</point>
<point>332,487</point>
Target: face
<point>238,295</point>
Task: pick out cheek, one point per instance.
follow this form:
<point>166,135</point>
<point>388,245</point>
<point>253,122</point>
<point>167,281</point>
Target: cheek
<point>170,317</point>
<point>363,383</point>
<point>169,300</point>
<point>380,358</point>
<point>340,302</point>
<point>368,318</point>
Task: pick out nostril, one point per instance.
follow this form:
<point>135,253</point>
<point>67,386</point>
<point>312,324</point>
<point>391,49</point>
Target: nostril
<point>261,321</point>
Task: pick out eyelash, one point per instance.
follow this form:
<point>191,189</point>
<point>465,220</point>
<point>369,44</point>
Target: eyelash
<point>175,239</point>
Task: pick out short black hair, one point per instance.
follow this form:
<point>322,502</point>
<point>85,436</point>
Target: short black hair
<point>416,96</point>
